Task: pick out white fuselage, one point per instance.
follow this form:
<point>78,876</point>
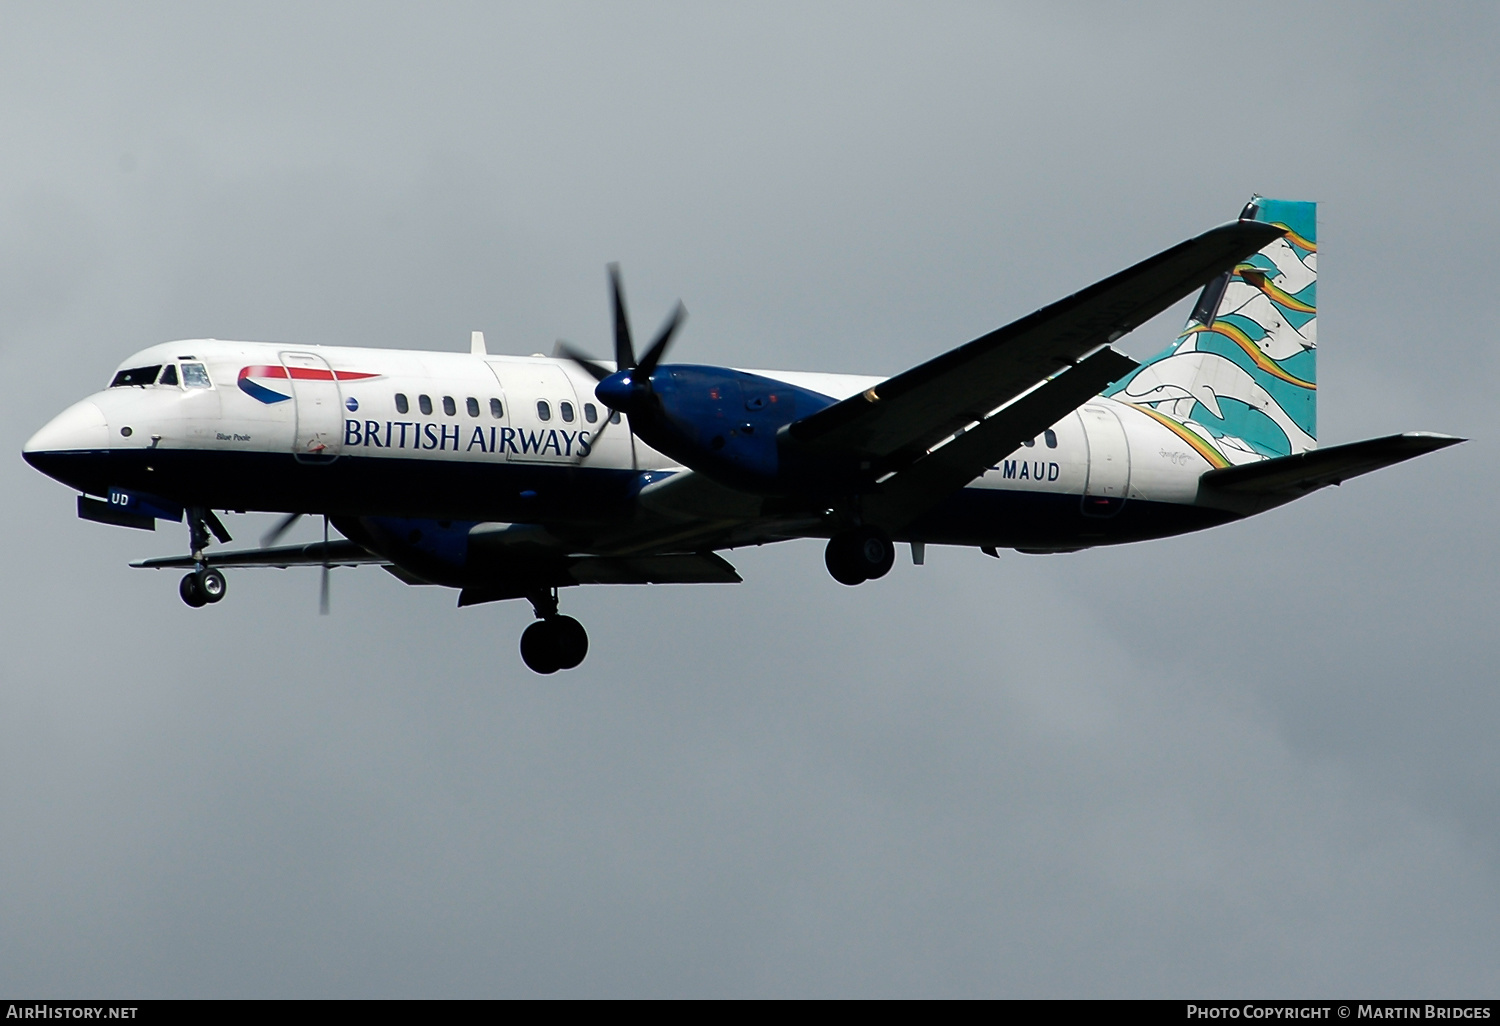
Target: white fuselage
<point>472,408</point>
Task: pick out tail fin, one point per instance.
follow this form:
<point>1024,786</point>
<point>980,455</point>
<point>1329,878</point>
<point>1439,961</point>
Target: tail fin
<point>1242,377</point>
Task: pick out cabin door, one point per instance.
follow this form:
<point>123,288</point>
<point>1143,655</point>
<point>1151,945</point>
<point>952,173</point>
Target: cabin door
<point>545,417</point>
<point>320,408</point>
<point>1109,462</point>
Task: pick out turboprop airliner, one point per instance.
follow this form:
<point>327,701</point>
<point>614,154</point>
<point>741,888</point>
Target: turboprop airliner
<point>511,477</point>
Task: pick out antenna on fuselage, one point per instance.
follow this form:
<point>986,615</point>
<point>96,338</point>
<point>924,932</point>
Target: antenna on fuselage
<point>476,344</point>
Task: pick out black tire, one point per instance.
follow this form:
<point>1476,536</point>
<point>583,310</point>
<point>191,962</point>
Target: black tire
<point>875,552</point>
<point>571,641</point>
<point>212,585</point>
<point>191,590</point>
<point>842,561</point>
<point>539,648</point>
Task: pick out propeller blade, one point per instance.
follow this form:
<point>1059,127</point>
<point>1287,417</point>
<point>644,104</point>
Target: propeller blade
<point>624,351</point>
<point>283,525</point>
<point>603,427</point>
<point>659,345</point>
<point>323,601</point>
<point>598,371</point>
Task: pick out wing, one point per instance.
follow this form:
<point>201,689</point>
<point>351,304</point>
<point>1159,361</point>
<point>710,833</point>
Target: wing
<point>906,496</point>
<point>334,553</point>
<point>898,421</point>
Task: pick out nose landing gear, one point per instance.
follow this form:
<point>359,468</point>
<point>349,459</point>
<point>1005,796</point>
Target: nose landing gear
<point>859,555</point>
<point>554,642</point>
<point>204,585</point>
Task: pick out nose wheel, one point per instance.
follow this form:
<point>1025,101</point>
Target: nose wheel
<point>554,642</point>
<point>859,555</point>
<point>203,587</point>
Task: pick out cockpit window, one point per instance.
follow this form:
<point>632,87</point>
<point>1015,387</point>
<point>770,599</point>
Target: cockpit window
<point>168,376</point>
<point>136,376</point>
<point>195,375</point>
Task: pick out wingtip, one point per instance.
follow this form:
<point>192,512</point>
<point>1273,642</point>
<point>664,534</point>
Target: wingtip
<point>1433,439</point>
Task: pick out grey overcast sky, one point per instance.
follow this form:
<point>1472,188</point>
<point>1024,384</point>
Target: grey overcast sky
<point>1255,761</point>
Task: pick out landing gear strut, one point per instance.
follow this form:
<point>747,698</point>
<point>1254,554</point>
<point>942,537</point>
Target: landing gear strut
<point>554,642</point>
<point>859,555</point>
<point>205,584</point>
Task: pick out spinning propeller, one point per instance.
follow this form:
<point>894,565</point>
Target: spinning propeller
<point>284,525</point>
<point>627,388</point>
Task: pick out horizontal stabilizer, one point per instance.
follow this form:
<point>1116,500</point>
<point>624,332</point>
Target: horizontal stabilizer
<point>1289,477</point>
<point>334,553</point>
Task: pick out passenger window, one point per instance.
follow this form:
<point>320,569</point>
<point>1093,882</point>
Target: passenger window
<point>1051,438</point>
<point>1029,443</point>
<point>194,375</point>
<point>495,410</point>
<point>168,376</point>
<point>543,411</point>
<point>401,404</point>
<point>566,409</point>
<point>614,418</point>
<point>449,407</point>
<point>472,405</point>
<point>136,376</point>
<point>424,404</point>
<point>590,412</point>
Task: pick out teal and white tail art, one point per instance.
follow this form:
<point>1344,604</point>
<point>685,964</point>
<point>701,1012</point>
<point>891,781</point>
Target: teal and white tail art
<point>1240,383</point>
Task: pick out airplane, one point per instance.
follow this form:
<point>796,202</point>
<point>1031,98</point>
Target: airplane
<point>515,477</point>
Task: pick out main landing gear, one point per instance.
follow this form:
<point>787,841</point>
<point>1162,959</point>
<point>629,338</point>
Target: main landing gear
<point>859,555</point>
<point>554,642</point>
<point>204,585</point>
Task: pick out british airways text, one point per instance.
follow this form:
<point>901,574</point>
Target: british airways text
<point>428,436</point>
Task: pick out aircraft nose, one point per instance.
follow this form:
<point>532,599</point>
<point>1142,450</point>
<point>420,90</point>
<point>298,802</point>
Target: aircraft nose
<point>81,427</point>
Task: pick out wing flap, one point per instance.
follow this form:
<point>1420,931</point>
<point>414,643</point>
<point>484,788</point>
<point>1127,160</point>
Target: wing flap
<point>675,568</point>
<point>900,419</point>
<point>672,568</point>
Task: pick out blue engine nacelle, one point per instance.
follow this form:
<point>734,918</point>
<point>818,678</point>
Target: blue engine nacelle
<point>434,550</point>
<point>721,422</point>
